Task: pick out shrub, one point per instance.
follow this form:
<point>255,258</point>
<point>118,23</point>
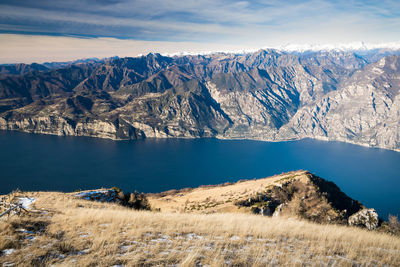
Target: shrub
<point>393,225</point>
<point>116,189</point>
<point>135,200</point>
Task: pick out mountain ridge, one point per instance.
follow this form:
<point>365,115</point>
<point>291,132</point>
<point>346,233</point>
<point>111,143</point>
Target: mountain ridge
<point>266,95</point>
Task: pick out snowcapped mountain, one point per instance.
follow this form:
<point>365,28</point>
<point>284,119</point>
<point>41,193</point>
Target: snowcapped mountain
<point>359,47</point>
<point>356,46</point>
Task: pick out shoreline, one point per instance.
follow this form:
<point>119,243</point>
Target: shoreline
<point>219,137</point>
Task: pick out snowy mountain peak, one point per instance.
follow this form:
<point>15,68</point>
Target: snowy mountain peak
<point>355,46</point>
<point>299,48</point>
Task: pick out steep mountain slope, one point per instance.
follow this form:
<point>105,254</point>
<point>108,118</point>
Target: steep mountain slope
<point>365,110</point>
<point>19,69</point>
<point>267,95</point>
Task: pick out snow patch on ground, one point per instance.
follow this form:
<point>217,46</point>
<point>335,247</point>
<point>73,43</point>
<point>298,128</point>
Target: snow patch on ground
<point>8,251</point>
<point>235,238</point>
<point>192,236</point>
<point>108,195</point>
<point>26,202</point>
<point>22,230</point>
<point>162,239</point>
<point>83,252</point>
<point>90,193</point>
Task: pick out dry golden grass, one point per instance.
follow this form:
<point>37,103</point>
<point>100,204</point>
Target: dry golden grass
<point>215,198</point>
<point>66,231</point>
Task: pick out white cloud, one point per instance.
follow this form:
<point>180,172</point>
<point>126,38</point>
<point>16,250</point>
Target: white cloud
<point>190,25</point>
<point>254,22</point>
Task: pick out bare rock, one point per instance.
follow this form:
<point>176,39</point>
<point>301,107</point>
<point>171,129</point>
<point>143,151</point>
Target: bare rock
<point>278,210</point>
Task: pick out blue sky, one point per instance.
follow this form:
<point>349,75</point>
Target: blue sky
<point>207,24</point>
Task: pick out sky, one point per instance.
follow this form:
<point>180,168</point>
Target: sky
<point>60,30</point>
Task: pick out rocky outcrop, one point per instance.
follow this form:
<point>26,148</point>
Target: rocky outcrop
<point>310,197</point>
<point>367,218</point>
<point>133,200</point>
<point>278,210</point>
<point>266,95</point>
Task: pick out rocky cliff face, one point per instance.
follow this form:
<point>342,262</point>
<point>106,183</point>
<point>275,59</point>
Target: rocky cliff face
<point>266,95</point>
<point>365,110</point>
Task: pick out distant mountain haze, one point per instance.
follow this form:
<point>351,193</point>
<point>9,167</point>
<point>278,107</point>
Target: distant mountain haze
<point>268,95</point>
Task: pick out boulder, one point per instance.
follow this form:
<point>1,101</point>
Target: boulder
<point>265,211</point>
<point>365,218</point>
<point>278,210</point>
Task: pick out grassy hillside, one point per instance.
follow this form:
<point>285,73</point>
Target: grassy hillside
<point>212,198</point>
<point>63,230</point>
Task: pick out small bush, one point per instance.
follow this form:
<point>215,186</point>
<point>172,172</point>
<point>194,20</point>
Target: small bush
<point>135,200</point>
<point>7,243</point>
<point>65,247</point>
<point>394,222</point>
<point>392,226</point>
<point>116,189</point>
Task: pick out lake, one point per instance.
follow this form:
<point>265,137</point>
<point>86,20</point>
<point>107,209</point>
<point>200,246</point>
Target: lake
<point>41,162</point>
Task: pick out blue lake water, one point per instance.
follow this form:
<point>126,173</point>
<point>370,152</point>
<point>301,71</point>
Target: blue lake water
<point>41,162</point>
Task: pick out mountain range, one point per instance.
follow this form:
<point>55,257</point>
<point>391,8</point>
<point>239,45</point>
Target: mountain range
<point>271,95</point>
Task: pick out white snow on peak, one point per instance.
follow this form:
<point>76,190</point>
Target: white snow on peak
<point>204,53</point>
<point>300,47</point>
<point>355,46</point>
